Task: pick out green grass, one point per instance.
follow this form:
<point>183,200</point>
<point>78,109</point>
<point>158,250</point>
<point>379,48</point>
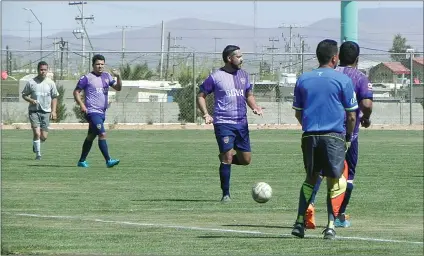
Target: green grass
<point>167,185</point>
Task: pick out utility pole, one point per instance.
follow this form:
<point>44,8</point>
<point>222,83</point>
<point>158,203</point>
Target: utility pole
<point>175,46</point>
<point>167,56</point>
<point>215,39</point>
<point>291,27</point>
<point>29,43</point>
<point>123,42</point>
<point>272,48</point>
<point>61,44</point>
<point>162,46</point>
<point>82,32</point>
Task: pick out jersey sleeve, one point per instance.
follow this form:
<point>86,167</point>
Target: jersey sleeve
<point>82,83</point>
<point>297,97</point>
<point>53,91</point>
<point>364,90</point>
<point>248,85</point>
<point>27,89</point>
<point>208,85</point>
<point>349,100</point>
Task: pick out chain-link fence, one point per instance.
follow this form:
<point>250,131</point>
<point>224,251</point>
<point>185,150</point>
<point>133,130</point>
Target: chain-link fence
<point>158,86</point>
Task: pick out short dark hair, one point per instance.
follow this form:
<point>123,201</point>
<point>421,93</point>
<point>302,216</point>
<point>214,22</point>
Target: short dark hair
<point>228,50</point>
<point>41,63</point>
<point>326,49</point>
<point>349,52</point>
<point>97,57</point>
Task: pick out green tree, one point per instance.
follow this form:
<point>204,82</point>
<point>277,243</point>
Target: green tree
<point>137,72</point>
<point>61,110</point>
<point>185,96</point>
<point>399,46</point>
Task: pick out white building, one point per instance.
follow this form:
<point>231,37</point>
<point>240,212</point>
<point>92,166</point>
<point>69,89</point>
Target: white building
<point>145,91</point>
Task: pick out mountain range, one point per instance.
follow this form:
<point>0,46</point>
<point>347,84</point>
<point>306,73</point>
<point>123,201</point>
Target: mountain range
<point>376,29</point>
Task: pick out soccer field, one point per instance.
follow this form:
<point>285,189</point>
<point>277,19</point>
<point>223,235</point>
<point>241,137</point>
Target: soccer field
<point>163,198</point>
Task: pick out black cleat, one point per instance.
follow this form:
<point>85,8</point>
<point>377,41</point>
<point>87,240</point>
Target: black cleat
<point>298,230</point>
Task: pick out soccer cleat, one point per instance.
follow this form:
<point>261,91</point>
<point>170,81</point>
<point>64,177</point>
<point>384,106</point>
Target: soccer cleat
<point>298,230</point>
<point>310,217</point>
<point>342,221</point>
<point>329,233</point>
<point>226,199</point>
<point>38,158</point>
<point>82,164</point>
<point>112,162</point>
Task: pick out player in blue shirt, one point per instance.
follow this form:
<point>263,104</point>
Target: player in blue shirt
<point>349,55</point>
<point>322,100</point>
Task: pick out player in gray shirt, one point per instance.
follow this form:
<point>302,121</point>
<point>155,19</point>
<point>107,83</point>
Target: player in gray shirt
<point>41,93</point>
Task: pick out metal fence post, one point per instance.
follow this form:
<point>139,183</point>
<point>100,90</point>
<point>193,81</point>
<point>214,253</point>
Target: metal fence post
<point>411,83</point>
<point>194,89</point>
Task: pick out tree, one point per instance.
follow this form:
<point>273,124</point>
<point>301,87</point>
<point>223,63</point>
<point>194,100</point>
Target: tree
<point>185,97</point>
<point>137,72</point>
<point>399,46</point>
<point>61,110</point>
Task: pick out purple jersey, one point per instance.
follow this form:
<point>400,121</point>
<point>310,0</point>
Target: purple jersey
<point>96,88</point>
<point>230,90</point>
<point>362,87</point>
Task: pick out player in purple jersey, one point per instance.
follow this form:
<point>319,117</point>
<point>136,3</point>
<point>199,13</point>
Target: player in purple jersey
<point>231,87</point>
<point>349,55</point>
<point>96,87</point>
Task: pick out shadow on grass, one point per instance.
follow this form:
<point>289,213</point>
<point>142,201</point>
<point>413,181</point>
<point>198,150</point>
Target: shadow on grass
<point>254,236</point>
<point>51,165</point>
<point>173,200</point>
<point>257,226</point>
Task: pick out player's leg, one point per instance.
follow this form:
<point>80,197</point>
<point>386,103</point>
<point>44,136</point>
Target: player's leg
<point>34,119</point>
<point>225,139</point>
<point>98,121</point>
<point>242,146</point>
<point>311,160</point>
<point>342,219</point>
<point>310,212</point>
<point>335,169</point>
<point>88,143</point>
<point>44,126</point>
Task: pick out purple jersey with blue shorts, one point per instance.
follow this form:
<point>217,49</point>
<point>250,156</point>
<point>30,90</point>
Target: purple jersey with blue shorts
<point>96,88</point>
<point>363,90</point>
<point>230,90</point>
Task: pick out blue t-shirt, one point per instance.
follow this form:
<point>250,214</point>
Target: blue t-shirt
<point>324,95</point>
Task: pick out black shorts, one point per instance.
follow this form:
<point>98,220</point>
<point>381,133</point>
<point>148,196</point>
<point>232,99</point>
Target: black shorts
<point>323,151</point>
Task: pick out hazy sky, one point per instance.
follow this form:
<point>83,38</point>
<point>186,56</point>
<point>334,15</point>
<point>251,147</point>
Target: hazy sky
<point>59,15</point>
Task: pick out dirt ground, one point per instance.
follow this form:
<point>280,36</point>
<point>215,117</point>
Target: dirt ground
<point>79,126</point>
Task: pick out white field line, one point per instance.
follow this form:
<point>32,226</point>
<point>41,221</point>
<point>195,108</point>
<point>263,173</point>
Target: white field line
<point>129,223</point>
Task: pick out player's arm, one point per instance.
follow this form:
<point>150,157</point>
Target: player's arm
<point>81,85</point>
<point>26,92</point>
<point>251,102</point>
<point>365,99</point>
<point>298,101</point>
<point>54,94</point>
<point>350,104</point>
<point>117,85</point>
<point>205,88</point>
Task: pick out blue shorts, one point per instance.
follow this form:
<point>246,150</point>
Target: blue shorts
<point>96,123</point>
<point>232,136</point>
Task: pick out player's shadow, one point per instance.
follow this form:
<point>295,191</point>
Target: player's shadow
<point>50,165</point>
<point>248,236</point>
<point>257,226</point>
<point>173,200</point>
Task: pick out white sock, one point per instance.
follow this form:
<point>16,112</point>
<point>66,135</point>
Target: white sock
<point>37,146</point>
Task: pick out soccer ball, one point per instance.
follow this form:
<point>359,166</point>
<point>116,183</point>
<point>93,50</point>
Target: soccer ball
<point>261,192</point>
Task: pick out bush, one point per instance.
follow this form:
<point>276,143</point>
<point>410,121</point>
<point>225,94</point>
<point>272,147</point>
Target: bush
<point>61,110</point>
